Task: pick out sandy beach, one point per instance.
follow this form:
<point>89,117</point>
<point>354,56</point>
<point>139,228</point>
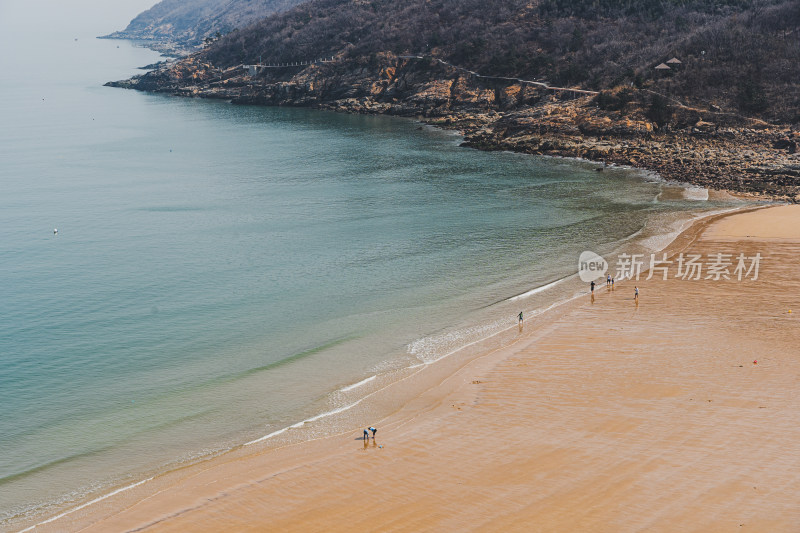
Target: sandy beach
<point>678,413</point>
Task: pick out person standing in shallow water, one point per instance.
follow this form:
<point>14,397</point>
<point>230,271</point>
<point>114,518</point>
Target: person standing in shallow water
<point>636,294</point>
<point>373,430</point>
<point>366,435</point>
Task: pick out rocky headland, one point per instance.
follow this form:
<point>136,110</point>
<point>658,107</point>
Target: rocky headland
<point>710,148</point>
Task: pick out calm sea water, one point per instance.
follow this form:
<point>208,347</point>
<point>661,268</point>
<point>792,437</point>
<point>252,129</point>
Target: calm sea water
<point>220,271</point>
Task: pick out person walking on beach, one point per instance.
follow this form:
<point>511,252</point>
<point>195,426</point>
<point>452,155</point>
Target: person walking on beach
<point>636,293</point>
<point>612,284</point>
<point>373,430</point>
<point>592,287</point>
<point>608,280</point>
<point>520,317</point>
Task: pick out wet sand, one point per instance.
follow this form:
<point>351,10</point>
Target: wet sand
<point>604,416</point>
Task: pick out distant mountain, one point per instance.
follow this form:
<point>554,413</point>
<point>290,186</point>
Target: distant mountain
<point>187,23</point>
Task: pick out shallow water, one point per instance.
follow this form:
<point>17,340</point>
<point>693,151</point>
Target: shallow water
<point>220,271</point>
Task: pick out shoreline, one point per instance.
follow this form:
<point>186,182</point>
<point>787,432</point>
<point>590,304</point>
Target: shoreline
<point>137,477</point>
<point>702,147</point>
<point>303,479</point>
<point>447,370</point>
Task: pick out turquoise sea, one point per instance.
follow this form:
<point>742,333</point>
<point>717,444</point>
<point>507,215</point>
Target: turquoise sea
<point>221,273</point>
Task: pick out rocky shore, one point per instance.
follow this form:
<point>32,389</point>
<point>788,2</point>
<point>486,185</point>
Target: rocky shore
<point>708,147</point>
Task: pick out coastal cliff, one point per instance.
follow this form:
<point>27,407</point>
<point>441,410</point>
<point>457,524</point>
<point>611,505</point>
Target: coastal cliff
<point>704,147</point>
<point>581,79</point>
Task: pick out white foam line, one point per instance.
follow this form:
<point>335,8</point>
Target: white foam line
<point>350,406</point>
<point>356,385</point>
<point>329,413</point>
<point>87,504</point>
<point>448,354</point>
<point>265,437</point>
<point>536,290</point>
<point>632,235</point>
<point>307,420</point>
<point>686,224</point>
<point>260,439</point>
<point>538,312</point>
<point>426,363</point>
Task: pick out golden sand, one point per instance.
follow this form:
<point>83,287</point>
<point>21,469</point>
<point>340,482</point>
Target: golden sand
<point>776,223</point>
<point>610,416</point>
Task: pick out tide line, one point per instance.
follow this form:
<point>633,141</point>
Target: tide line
<point>307,420</point>
<point>87,504</point>
<point>265,437</point>
<point>536,290</point>
<point>356,385</point>
<point>448,354</point>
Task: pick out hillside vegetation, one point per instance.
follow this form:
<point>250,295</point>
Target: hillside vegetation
<point>743,55</point>
<point>724,115</point>
<point>189,23</point>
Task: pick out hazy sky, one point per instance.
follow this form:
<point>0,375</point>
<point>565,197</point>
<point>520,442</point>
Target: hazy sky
<point>83,18</point>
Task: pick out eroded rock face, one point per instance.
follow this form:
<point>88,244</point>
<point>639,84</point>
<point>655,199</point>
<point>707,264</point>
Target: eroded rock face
<point>704,147</point>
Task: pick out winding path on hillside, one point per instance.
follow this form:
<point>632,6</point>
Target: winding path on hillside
<point>541,84</point>
<point>255,69</point>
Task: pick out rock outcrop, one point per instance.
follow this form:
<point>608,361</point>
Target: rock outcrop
<point>706,147</point>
